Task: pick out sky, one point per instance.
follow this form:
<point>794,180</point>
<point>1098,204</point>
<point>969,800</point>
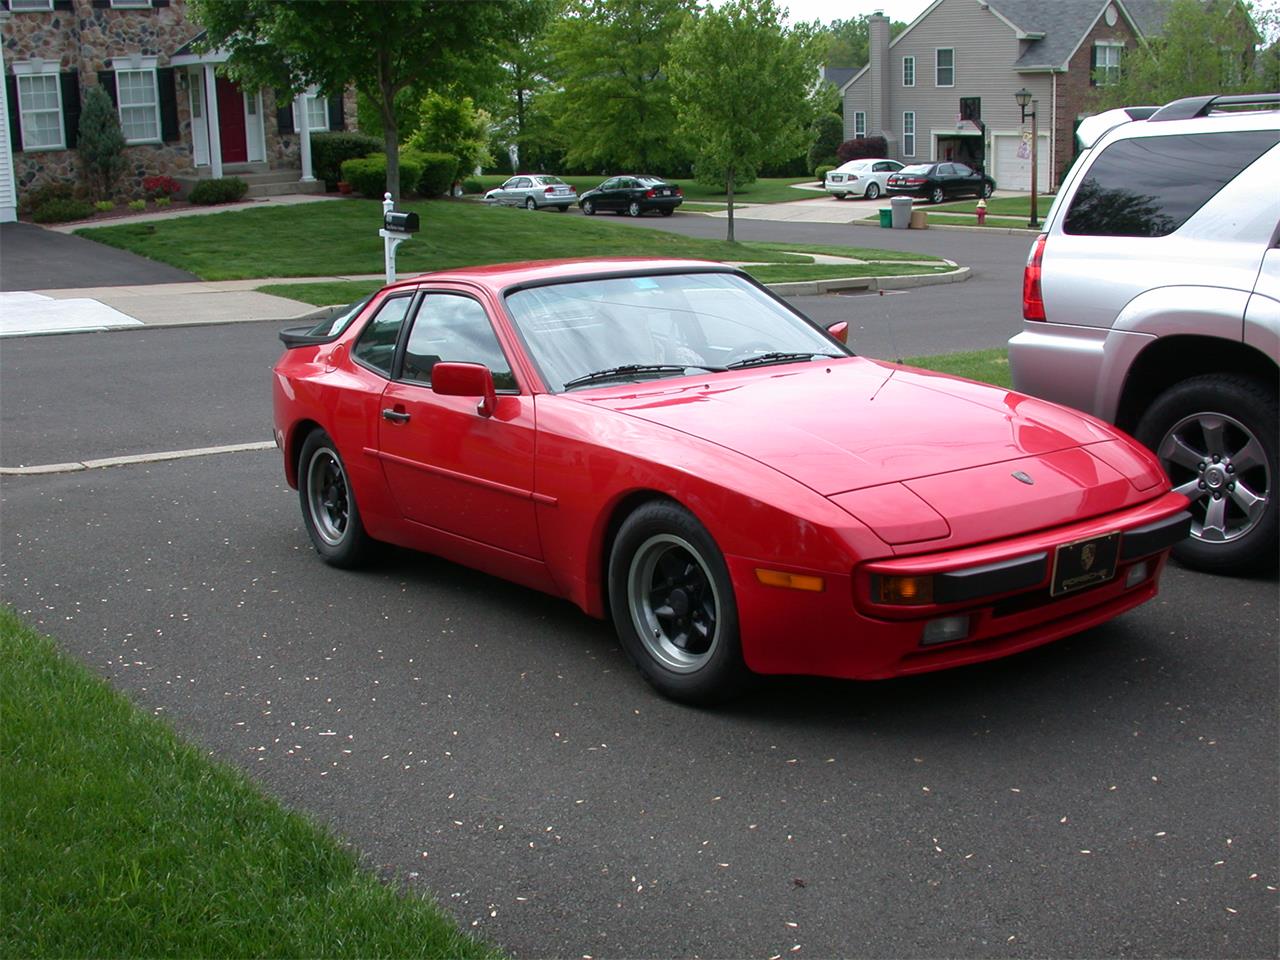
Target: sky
<point>828,10</point>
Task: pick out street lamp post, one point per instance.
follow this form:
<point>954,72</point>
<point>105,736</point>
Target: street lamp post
<point>1024,99</point>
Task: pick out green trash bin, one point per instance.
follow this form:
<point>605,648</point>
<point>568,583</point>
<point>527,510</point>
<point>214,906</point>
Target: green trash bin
<point>886,217</point>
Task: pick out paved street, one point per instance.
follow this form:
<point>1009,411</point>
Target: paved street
<point>1113,794</point>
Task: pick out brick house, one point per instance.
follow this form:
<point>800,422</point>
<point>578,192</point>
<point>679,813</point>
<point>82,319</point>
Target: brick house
<point>178,115</point>
<point>944,87</point>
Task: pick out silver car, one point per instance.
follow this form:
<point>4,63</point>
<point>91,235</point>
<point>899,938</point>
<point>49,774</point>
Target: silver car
<point>1152,300</point>
<point>533,191</point>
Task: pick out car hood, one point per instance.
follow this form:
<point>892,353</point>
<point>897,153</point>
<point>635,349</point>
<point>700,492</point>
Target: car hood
<point>923,440</point>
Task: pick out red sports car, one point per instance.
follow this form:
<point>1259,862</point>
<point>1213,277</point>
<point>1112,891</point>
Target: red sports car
<point>667,443</point>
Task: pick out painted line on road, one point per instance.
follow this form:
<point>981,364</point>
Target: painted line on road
<point>161,456</point>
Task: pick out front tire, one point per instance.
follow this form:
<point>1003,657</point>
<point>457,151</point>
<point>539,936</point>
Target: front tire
<point>1216,437</point>
<point>987,190</point>
<point>872,191</point>
<point>673,605</point>
<point>588,208</point>
<point>329,505</point>
<point>936,196</point>
<point>633,209</point>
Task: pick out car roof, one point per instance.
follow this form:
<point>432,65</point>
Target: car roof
<point>1189,115</point>
<point>500,276</point>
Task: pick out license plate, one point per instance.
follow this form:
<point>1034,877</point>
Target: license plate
<point>664,192</point>
<point>1084,563</point>
<point>837,178</point>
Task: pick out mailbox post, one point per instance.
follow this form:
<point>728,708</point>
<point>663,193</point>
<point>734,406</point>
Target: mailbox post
<point>396,229</point>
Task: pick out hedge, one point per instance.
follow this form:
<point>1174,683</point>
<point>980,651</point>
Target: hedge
<point>439,170</point>
<point>329,150</point>
<point>223,190</point>
<point>822,171</point>
<point>368,175</point>
<point>61,210</point>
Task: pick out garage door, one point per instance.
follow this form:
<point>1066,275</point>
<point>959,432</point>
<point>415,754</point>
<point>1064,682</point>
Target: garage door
<point>1012,172</point>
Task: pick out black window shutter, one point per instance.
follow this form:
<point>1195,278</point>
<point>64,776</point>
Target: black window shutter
<point>62,4</point>
<point>15,120</point>
<point>1093,66</point>
<point>284,113</point>
<point>336,119</point>
<point>107,81</point>
<point>159,3</point>
<point>101,4</point>
<point>71,107</point>
<point>168,90</point>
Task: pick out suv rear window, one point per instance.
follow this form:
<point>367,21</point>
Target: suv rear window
<point>1150,186</point>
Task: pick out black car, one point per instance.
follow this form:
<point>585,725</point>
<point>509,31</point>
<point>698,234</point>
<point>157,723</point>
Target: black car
<point>632,195</point>
<point>939,181</point>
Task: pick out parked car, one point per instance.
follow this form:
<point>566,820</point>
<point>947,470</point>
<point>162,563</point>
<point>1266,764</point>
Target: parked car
<point>1152,300</point>
<point>533,192</point>
<point>667,443</point>
<point>633,195</point>
<point>862,178</point>
<point>937,182</point>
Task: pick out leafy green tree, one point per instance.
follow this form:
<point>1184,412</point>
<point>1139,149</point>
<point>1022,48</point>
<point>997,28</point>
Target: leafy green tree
<point>746,88</point>
<point>382,48</point>
<point>614,107</point>
<point>827,133</point>
<point>452,124</point>
<point>1203,48</point>
<point>848,41</point>
<point>101,143</point>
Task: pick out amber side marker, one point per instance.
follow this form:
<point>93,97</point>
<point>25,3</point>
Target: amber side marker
<point>790,581</point>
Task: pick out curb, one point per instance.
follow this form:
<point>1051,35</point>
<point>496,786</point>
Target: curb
<point>1006,231</point>
<point>813,288</point>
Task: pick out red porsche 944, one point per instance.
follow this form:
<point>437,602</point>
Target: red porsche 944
<point>668,444</point>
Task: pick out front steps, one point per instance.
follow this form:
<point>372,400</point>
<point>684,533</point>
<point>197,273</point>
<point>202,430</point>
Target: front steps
<point>262,180</point>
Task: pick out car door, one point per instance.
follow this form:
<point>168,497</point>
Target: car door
<point>448,466</point>
<point>967,181</point>
<point>605,194</point>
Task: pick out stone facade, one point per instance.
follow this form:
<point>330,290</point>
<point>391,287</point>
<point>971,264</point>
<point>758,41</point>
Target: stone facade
<point>1075,89</point>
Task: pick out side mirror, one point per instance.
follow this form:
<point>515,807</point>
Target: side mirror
<point>451,379</point>
<point>840,331</point>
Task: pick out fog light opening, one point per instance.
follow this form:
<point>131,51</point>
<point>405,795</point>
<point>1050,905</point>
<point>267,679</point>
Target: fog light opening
<point>945,630</point>
<point>1137,573</point>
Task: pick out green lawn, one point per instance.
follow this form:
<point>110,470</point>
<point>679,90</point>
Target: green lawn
<point>856,253</point>
<point>988,366</point>
<point>118,839</point>
<point>764,190</point>
<point>1011,206</point>
<point>341,237</point>
<point>1004,223</point>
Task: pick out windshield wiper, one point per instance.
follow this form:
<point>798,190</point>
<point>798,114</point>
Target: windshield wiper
<point>778,356</point>
<point>629,371</point>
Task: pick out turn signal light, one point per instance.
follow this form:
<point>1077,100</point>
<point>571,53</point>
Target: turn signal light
<point>1032,296</point>
<point>907,591</point>
<point>789,581</point>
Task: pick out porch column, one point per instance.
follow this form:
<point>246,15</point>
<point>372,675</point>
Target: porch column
<point>211,113</point>
<point>301,125</point>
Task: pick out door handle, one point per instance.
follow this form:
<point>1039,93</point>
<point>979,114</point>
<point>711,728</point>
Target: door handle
<point>395,416</point>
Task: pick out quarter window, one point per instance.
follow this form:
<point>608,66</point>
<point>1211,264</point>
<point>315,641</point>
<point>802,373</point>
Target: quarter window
<point>945,59</point>
<point>1150,186</point>
<point>139,105</point>
<point>455,328</point>
<point>909,134</point>
<point>908,71</point>
<point>376,347</point>
<point>859,123</point>
<point>40,106</point>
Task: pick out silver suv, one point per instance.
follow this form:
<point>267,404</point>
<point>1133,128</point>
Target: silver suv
<point>1152,300</point>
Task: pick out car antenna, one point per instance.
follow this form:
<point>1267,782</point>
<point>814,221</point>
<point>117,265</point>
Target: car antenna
<point>893,336</point>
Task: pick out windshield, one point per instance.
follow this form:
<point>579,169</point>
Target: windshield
<point>675,322</point>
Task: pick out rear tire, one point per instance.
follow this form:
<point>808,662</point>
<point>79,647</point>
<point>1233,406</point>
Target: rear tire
<point>1216,437</point>
<point>839,196</point>
<point>329,505</point>
<point>937,196</point>
<point>872,191</point>
<point>673,605</point>
<point>633,209</point>
<point>530,203</point>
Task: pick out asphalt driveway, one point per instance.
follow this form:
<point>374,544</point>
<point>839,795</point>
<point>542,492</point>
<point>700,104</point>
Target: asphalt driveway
<point>32,258</point>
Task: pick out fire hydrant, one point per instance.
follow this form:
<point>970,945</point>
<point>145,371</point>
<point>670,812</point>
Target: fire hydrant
<point>982,212</point>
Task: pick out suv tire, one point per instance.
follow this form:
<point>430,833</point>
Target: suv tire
<point>1212,433</point>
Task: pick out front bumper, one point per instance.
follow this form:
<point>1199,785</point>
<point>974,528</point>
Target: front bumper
<point>1003,589</point>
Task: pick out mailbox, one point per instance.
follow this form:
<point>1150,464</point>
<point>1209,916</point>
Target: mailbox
<point>399,222</point>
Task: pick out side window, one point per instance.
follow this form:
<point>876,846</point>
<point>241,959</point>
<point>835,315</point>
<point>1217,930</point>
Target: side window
<point>609,185</point>
<point>1150,186</point>
<point>962,170</point>
<point>457,328</point>
<point>376,347</point>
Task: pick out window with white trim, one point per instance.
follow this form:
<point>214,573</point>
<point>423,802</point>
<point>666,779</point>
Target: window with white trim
<point>40,110</point>
<point>139,105</point>
<point>859,123</point>
<point>317,112</point>
<point>26,6</point>
<point>908,71</point>
<point>126,4</point>
<point>945,64</point>
<point>1106,63</point>
<point>909,134</point>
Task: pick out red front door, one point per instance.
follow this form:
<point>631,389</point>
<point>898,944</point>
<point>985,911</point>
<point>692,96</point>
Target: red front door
<point>235,148</point>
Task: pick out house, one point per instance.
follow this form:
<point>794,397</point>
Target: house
<point>943,89</point>
<point>179,116</point>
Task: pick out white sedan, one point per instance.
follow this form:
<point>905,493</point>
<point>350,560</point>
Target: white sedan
<point>861,178</point>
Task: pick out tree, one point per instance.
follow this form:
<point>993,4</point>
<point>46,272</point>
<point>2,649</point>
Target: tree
<point>848,41</point>
<point>1205,47</point>
<point>827,132</point>
<point>614,108</point>
<point>746,88</point>
<point>101,143</point>
<point>449,123</point>
<point>381,48</point>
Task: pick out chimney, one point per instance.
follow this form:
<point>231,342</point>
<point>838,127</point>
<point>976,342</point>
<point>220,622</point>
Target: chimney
<point>878,70</point>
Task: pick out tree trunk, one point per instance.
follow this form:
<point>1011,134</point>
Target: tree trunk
<point>390,138</point>
<point>728,186</point>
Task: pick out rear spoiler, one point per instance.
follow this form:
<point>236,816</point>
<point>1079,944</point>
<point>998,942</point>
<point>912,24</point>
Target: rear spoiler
<point>1092,129</point>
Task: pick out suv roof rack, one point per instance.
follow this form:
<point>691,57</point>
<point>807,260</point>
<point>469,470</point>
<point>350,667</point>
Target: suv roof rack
<point>1190,107</point>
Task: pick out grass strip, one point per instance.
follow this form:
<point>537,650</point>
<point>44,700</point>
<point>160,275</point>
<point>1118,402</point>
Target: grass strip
<point>987,366</point>
<point>119,839</point>
<point>1001,223</point>
<point>1009,206</point>
<point>341,237</point>
<point>856,253</point>
<point>763,190</point>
